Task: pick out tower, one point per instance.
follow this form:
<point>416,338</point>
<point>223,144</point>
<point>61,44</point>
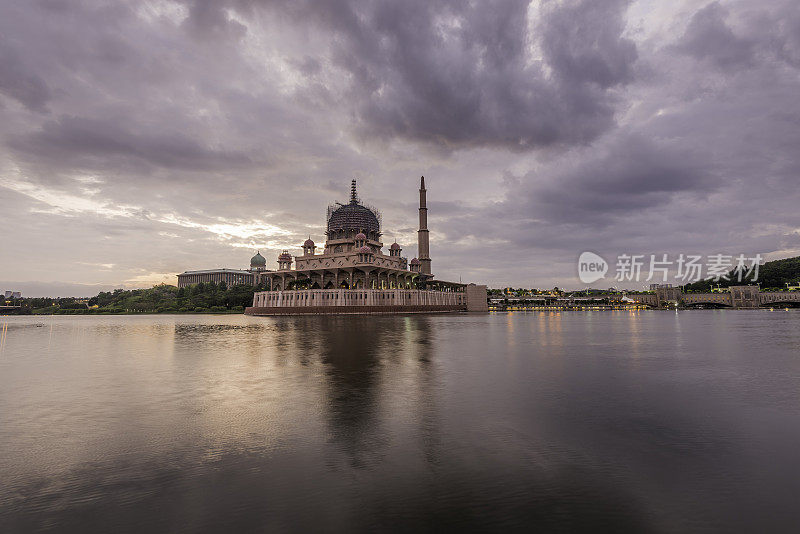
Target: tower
<point>284,261</point>
<point>308,247</point>
<point>422,235</point>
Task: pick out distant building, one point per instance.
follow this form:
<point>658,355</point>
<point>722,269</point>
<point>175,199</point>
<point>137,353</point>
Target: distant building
<point>653,287</point>
<point>231,277</point>
<point>13,294</point>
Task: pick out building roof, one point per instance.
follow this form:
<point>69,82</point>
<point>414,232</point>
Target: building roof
<point>394,246</point>
<point>213,271</point>
<point>308,243</point>
<point>415,261</point>
<point>258,259</point>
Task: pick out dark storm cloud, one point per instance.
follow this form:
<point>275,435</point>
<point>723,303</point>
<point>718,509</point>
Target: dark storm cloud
<point>605,194</point>
<point>208,19</point>
<point>787,36</point>
<point>583,44</point>
<point>81,140</point>
<point>478,85</point>
<point>459,75</point>
<point>17,82</point>
<point>709,37</point>
<point>632,173</point>
<point>706,159</point>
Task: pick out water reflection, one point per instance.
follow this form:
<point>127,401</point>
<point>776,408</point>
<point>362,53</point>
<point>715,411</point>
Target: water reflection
<point>612,421</point>
<point>376,370</point>
<point>352,352</point>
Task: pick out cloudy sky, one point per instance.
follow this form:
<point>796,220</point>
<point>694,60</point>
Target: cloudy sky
<point>142,139</point>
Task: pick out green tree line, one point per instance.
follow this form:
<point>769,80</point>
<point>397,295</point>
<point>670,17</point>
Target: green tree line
<point>773,275</point>
<point>203,297</point>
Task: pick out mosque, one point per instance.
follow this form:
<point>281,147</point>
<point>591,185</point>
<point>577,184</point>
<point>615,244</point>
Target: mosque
<point>351,274</point>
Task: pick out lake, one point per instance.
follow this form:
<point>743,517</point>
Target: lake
<point>643,421</point>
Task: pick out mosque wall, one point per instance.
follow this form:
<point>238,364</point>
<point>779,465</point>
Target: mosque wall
<point>357,297</point>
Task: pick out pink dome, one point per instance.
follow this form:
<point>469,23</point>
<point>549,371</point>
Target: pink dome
<point>415,261</point>
<point>365,250</point>
<point>308,243</point>
<point>361,236</point>
<point>395,246</point>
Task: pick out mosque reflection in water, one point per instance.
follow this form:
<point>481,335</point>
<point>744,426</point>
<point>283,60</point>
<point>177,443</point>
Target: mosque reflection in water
<point>357,383</point>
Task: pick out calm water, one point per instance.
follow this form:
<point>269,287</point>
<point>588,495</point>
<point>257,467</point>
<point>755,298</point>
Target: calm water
<point>603,421</point>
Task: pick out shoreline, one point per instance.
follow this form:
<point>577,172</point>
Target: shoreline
<point>436,312</point>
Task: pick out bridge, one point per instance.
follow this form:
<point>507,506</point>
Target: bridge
<point>735,297</point>
<point>732,297</point>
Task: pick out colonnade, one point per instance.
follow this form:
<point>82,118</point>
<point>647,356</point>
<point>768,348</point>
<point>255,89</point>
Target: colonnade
<point>355,278</point>
<point>358,297</point>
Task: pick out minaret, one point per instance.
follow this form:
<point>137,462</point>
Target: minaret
<point>423,244</point>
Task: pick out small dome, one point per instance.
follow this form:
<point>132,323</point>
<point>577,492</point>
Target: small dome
<point>361,236</point>
<point>365,250</point>
<point>415,261</point>
<point>258,260</point>
<point>285,256</point>
<point>308,243</point>
<point>394,246</point>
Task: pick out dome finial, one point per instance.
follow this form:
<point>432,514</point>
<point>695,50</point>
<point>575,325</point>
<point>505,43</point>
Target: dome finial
<point>353,192</point>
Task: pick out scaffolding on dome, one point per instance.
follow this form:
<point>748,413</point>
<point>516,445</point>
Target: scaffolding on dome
<point>352,217</point>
